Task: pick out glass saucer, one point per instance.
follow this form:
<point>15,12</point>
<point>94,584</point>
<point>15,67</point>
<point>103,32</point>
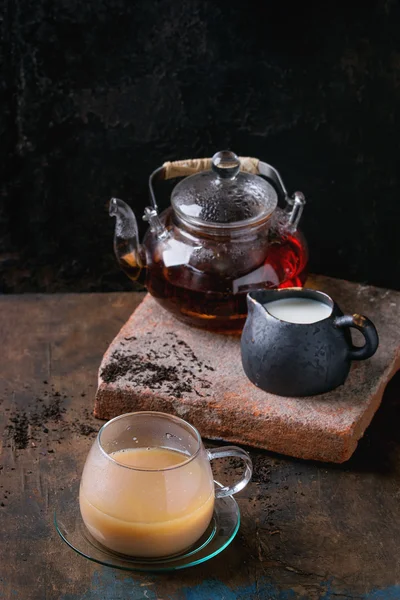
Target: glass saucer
<point>219,534</point>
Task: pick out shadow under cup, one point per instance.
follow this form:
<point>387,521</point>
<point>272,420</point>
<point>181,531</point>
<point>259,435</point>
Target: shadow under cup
<point>147,512</point>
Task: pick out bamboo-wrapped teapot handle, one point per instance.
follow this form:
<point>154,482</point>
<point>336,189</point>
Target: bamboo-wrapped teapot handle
<point>183,168</point>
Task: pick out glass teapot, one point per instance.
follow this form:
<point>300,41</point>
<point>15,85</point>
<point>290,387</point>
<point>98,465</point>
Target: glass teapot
<point>223,236</point>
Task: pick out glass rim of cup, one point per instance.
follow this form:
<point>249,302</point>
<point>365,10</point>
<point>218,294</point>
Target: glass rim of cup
<point>158,414</point>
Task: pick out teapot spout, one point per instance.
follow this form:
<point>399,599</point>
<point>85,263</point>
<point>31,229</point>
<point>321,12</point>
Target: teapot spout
<point>126,239</point>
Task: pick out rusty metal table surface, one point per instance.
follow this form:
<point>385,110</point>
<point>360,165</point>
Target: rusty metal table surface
<point>309,530</point>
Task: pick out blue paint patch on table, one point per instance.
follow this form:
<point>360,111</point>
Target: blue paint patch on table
<point>390,593</point>
<point>213,589</point>
<point>110,585</point>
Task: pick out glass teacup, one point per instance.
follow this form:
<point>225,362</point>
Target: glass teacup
<point>147,488</point>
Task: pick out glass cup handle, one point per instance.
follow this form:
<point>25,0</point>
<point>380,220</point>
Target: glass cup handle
<point>229,451</point>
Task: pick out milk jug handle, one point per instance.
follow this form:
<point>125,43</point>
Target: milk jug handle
<point>367,328</point>
<point>232,451</point>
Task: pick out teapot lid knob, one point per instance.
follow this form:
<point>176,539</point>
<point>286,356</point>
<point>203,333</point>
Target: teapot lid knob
<point>225,164</point>
<point>224,196</point>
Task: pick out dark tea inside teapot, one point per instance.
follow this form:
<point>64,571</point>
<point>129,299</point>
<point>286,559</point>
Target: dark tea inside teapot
<point>223,236</point>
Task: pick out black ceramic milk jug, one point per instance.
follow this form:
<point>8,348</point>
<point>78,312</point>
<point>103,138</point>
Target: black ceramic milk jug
<point>301,346</point>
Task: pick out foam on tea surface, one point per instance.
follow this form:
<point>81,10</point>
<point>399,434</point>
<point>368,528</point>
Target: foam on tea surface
<point>152,459</point>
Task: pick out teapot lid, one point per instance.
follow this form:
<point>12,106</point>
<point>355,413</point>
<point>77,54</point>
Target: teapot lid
<point>224,196</point>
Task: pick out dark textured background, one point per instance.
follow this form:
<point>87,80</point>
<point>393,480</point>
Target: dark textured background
<point>97,93</point>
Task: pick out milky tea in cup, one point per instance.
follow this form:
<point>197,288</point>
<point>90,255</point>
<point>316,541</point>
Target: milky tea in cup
<point>147,488</point>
